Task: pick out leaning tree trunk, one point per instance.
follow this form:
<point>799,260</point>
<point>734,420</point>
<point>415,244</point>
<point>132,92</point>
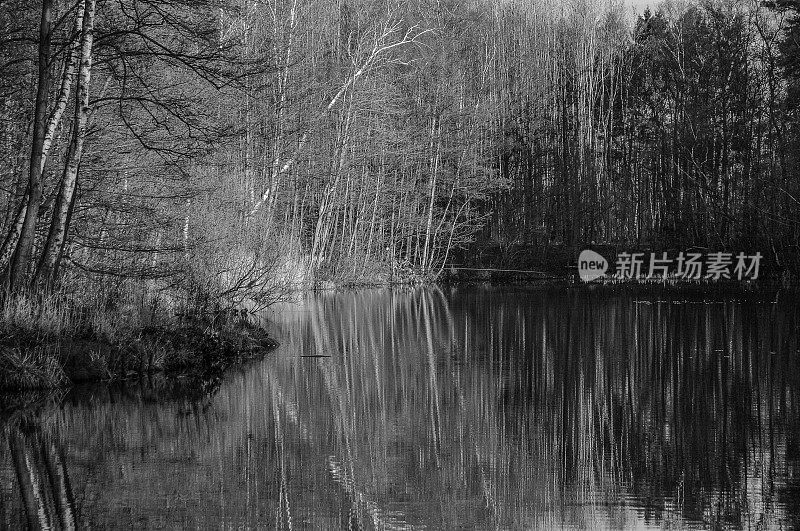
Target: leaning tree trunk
<point>22,255</point>
<point>12,237</point>
<point>54,245</point>
<point>9,244</point>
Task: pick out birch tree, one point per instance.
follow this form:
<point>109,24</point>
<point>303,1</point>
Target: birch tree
<point>26,232</point>
<point>54,245</point>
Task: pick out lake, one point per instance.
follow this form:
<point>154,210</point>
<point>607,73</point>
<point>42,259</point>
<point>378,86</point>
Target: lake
<point>451,408</point>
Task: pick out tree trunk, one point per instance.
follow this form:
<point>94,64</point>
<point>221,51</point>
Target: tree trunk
<point>22,256</point>
<point>56,237</point>
<point>66,83</point>
<point>12,238</point>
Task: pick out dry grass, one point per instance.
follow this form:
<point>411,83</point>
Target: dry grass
<point>42,315</point>
<point>47,340</point>
<point>35,326</point>
<point>91,311</point>
<point>31,368</point>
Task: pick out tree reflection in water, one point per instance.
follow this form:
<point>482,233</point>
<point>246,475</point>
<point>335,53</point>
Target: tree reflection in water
<point>462,408</point>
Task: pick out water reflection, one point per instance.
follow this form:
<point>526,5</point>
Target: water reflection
<point>464,408</point>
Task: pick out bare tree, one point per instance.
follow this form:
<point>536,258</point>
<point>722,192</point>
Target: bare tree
<point>54,245</point>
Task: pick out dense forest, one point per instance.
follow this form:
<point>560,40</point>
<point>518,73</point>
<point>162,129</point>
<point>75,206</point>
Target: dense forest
<point>242,147</point>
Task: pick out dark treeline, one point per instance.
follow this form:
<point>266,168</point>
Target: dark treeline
<point>243,146</point>
<point>679,131</point>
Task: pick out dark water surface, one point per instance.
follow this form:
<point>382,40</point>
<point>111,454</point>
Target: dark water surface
<point>444,409</point>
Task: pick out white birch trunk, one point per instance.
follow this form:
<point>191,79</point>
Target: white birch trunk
<point>54,245</point>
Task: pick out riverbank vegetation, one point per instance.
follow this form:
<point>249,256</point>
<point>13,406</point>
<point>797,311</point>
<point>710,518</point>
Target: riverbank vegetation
<point>61,338</point>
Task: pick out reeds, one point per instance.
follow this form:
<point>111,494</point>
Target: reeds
<point>44,315</point>
<point>30,368</point>
<point>34,328</point>
<point>111,332</point>
<point>86,312</point>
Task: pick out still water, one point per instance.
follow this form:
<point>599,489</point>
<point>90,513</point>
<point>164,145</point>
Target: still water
<point>458,408</point>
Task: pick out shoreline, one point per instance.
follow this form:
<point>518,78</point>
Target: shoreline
<point>204,347</point>
<point>200,349</point>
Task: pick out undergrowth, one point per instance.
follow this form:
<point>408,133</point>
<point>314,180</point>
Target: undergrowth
<point>102,333</point>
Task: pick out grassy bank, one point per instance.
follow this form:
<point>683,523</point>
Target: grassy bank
<point>58,339</point>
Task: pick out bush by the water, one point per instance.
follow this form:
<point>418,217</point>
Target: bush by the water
<point>49,340</point>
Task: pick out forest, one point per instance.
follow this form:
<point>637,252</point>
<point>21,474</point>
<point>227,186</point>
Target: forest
<point>232,149</point>
<point>342,264</point>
